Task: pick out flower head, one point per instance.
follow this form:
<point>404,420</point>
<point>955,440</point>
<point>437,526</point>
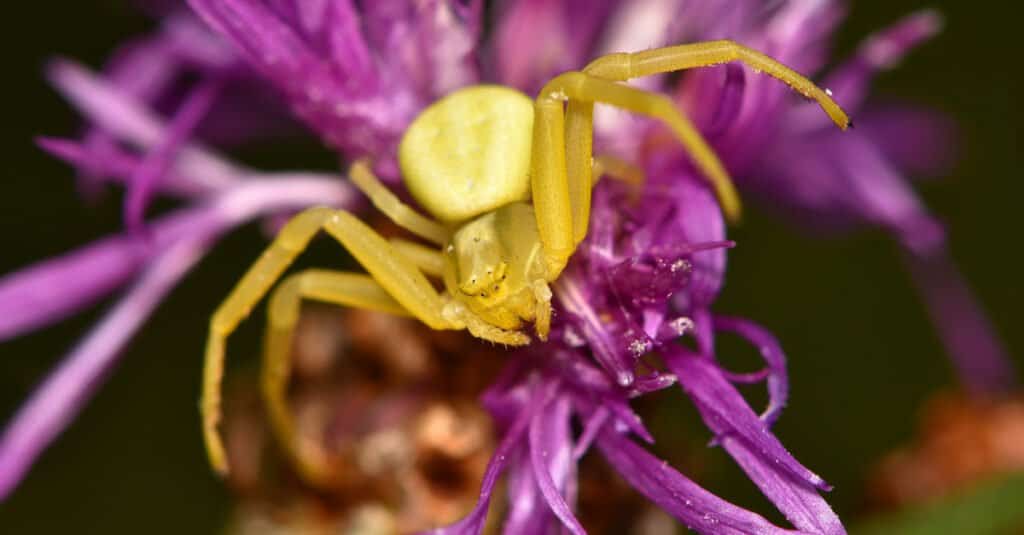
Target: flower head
<point>635,307</point>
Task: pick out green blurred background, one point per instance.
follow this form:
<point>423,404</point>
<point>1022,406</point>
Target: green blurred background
<point>862,354</point>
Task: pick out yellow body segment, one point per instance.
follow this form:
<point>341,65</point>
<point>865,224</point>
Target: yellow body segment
<point>469,152</point>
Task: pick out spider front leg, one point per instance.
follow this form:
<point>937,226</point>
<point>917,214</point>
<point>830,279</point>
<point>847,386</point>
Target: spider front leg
<point>625,66</point>
<point>394,208</point>
<point>339,288</point>
<point>391,270</point>
<point>550,187</point>
<point>578,86</point>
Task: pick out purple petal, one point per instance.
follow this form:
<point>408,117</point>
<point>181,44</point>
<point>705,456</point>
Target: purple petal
<point>699,509</point>
<point>348,47</point>
<point>714,99</point>
<point>56,402</point>
<point>536,39</point>
<point>142,69</point>
<point>551,455</point>
<point>444,39</point>
<point>181,237</point>
<point>881,194</point>
<point>799,502</point>
<point>152,169</point>
<point>916,140</point>
<point>880,52</point>
<point>473,523</point>
<point>526,513</point>
<point>771,352</point>
<point>132,122</point>
<point>54,289</point>
<point>192,42</point>
<point>356,117</point>
<point>699,221</point>
<point>114,163</point>
<point>790,486</point>
<point>591,429</point>
<point>969,337</point>
<point>571,295</point>
<point>727,414</point>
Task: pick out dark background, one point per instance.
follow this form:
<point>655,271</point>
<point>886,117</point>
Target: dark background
<point>862,354</point>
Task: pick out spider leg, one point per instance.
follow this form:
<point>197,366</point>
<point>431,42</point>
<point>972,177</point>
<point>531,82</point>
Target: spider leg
<point>618,169</point>
<point>583,87</point>
<point>583,170</point>
<point>542,321</point>
<point>430,261</point>
<point>580,172</point>
<point>549,185</point>
<point>395,209</point>
<point>396,275</point>
<point>349,289</point>
<point>624,66</point>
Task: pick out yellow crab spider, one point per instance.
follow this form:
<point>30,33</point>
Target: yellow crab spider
<point>507,181</point>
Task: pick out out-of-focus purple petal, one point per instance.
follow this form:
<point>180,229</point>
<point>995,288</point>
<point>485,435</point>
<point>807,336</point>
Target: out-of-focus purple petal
<point>842,179</point>
<point>526,512</point>
<point>181,238</point>
<point>114,164</point>
<point>713,98</point>
<point>774,358</point>
<point>51,290</point>
<point>346,42</point>
<point>881,194</point>
<point>726,412</point>
<point>796,35</point>
<point>917,141</point>
<point>729,102</point>
<point>142,69</point>
<point>193,43</point>
<point>536,39</point>
<point>152,169</point>
<point>880,52</point>
<point>357,118</point>
<point>591,430</point>
<point>445,37</point>
<point>56,402</point>
<point>132,122</point>
<point>699,509</point>
<point>788,484</point>
<point>963,326</point>
<point>550,442</point>
<point>708,20</point>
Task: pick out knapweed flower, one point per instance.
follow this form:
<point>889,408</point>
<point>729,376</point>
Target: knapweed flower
<point>633,308</point>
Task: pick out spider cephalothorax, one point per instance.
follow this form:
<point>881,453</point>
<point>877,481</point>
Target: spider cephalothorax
<point>508,183</point>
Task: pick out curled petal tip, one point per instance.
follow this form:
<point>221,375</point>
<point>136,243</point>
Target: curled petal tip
<point>932,20</point>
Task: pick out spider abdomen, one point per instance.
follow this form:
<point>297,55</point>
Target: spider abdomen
<point>469,153</point>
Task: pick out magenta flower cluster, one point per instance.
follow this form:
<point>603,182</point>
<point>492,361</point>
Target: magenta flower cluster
<point>223,72</point>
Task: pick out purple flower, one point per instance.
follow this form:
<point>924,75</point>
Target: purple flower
<point>645,278</point>
<point>127,139</point>
<point>785,153</point>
